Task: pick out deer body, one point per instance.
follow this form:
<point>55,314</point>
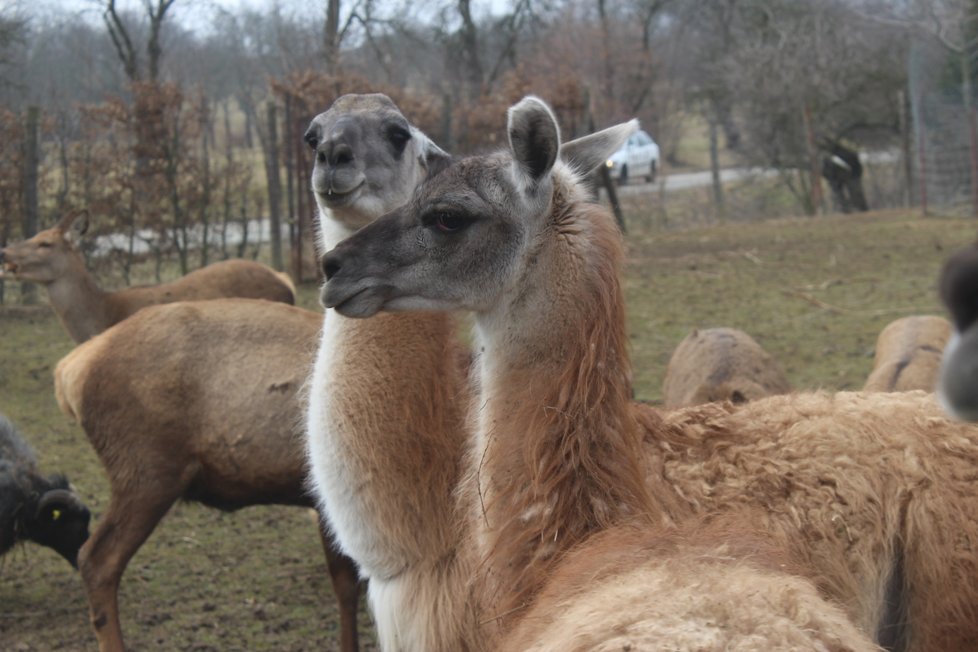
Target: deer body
<point>50,258</point>
<point>196,401</point>
<point>908,354</point>
<point>554,473</point>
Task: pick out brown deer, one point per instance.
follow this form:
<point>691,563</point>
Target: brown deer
<point>553,491</point>
<point>721,364</point>
<point>51,259</point>
<point>908,354</point>
<point>197,401</point>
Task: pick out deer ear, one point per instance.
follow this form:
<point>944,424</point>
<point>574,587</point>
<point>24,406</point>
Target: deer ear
<point>534,137</point>
<point>74,223</point>
<point>586,153</point>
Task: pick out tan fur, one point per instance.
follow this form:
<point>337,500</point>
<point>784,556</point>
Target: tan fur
<point>197,401</point>
<point>721,364</point>
<point>50,258</point>
<point>908,354</point>
<point>856,482</point>
<point>709,582</point>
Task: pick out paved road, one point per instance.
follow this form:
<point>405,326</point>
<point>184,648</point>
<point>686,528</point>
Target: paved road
<point>691,180</point>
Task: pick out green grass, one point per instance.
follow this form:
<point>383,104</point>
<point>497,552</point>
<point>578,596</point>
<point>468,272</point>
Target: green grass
<point>815,292</point>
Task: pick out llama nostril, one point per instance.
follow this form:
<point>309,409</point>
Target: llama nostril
<point>330,266</point>
<point>342,154</point>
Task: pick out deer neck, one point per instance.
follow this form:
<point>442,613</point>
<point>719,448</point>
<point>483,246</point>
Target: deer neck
<point>78,302</point>
<point>556,444</point>
<point>386,441</point>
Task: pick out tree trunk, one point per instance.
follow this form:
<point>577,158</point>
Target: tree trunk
<point>274,188</point>
<point>31,220</point>
<point>331,37</point>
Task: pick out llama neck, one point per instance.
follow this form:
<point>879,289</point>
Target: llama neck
<point>79,303</point>
<point>385,437</point>
<point>556,445</point>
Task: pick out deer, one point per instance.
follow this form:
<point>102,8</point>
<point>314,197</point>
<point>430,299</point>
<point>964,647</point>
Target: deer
<point>197,401</point>
<point>553,492</point>
<point>718,364</point>
<point>908,354</point>
<point>51,258</point>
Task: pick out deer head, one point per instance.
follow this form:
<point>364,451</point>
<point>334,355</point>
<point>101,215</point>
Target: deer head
<point>472,230</point>
<point>48,255</point>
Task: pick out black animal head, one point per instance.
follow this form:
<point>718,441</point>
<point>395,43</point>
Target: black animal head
<point>58,519</point>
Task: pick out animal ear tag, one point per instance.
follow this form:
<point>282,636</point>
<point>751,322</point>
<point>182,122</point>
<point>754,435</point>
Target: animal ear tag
<point>55,514</point>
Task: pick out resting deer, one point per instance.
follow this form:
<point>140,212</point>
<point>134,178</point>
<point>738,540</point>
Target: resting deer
<point>721,364</point>
<point>196,401</point>
<point>555,507</point>
<point>958,377</point>
<point>51,259</point>
<point>908,354</point>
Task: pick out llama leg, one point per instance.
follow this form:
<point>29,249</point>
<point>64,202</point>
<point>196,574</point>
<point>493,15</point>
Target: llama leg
<point>346,586</point>
<point>126,524</point>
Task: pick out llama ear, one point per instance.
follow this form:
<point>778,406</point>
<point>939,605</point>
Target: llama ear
<point>534,137</point>
<point>432,157</point>
<point>586,153</point>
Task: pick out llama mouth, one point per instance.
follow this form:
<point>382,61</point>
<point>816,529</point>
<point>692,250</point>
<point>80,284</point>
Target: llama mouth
<point>8,267</point>
<point>357,303</point>
<point>335,198</point>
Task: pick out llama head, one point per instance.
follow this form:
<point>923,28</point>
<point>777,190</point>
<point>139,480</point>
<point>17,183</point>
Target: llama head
<point>369,158</point>
<point>471,231</point>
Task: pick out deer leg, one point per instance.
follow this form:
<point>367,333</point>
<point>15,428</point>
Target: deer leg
<point>346,586</point>
<point>125,526</point>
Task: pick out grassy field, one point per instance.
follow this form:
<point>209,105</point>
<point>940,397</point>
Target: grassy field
<point>815,292</point>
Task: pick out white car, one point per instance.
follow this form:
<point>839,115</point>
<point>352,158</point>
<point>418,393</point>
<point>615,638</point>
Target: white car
<point>638,157</point>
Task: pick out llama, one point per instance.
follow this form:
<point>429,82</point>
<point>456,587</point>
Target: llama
<point>553,475</point>
<point>387,396</point>
<point>908,354</point>
<point>721,364</point>
<point>958,377</point>
<point>51,259</point>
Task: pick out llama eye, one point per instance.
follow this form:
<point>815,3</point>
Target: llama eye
<point>45,245</point>
<point>398,137</point>
<point>311,139</point>
<point>450,222</point>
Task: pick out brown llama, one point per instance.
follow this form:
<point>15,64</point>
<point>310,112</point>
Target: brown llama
<point>908,354</point>
<point>51,259</point>
<point>721,364</point>
<point>387,400</point>
<point>553,477</point>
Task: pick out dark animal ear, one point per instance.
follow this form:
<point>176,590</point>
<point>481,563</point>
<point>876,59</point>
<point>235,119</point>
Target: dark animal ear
<point>534,137</point>
<point>959,287</point>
